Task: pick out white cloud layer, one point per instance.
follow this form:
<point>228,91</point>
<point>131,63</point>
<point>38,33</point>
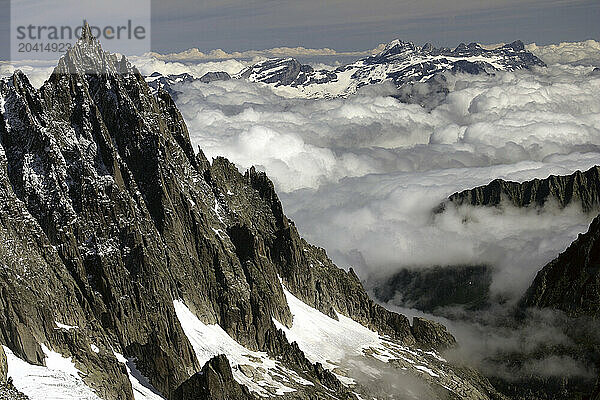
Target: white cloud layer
<point>504,119</point>
<point>576,53</point>
<point>148,65</point>
<point>195,54</point>
<point>361,175</point>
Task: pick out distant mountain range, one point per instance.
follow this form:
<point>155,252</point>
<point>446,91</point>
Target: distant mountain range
<point>401,63</point>
<point>582,188</point>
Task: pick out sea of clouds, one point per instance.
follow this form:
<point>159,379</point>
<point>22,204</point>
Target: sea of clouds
<point>361,175</point>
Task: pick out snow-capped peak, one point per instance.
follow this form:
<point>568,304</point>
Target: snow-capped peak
<point>399,62</point>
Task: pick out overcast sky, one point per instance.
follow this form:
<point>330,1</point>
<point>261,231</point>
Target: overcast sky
<point>359,24</point>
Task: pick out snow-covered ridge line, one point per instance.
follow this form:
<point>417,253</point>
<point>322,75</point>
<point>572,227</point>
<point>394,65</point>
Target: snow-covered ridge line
<point>348,349</point>
<point>397,62</point>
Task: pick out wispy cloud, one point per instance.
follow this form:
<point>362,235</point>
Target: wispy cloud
<point>219,54</point>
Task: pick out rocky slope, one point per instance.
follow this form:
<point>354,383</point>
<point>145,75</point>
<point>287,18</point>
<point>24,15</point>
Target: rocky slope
<point>128,261</point>
<point>571,282</point>
<point>403,64</point>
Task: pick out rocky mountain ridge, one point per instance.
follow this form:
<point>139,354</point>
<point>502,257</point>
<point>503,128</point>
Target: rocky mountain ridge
<point>124,252</point>
<point>468,285</point>
<point>566,287</point>
<point>580,188</point>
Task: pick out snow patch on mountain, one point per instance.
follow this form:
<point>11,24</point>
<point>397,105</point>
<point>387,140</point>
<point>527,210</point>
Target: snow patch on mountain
<point>58,380</point>
<point>64,326</point>
<point>336,344</point>
<point>256,370</point>
<point>322,338</point>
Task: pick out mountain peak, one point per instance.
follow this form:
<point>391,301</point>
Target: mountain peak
<point>87,57</point>
<point>86,33</point>
<point>398,44</point>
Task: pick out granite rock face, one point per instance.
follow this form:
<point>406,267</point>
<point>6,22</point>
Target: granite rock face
<point>434,333</point>
<point>9,392</point>
<point>596,394</point>
<point>3,366</point>
<point>108,217</point>
<point>570,284</point>
<point>278,71</point>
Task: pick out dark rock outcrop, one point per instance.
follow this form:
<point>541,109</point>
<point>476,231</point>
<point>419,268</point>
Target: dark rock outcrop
<point>277,71</point>
<point>596,393</point>
<point>215,76</point>
<point>570,283</point>
<point>9,392</point>
<point>215,381</point>
<point>3,366</point>
<point>433,333</point>
<point>428,289</point>
<point>581,188</point>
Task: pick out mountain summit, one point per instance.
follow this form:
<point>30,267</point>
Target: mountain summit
<point>133,265</point>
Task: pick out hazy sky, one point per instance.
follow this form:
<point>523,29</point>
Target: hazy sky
<point>360,24</point>
<point>237,25</point>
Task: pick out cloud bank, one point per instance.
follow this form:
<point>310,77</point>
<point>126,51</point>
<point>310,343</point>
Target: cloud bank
<point>195,54</point>
<point>576,53</point>
<point>361,175</point>
<point>372,168</point>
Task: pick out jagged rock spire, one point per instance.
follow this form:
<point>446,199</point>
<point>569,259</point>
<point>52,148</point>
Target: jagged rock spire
<point>87,57</point>
<point>86,33</point>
